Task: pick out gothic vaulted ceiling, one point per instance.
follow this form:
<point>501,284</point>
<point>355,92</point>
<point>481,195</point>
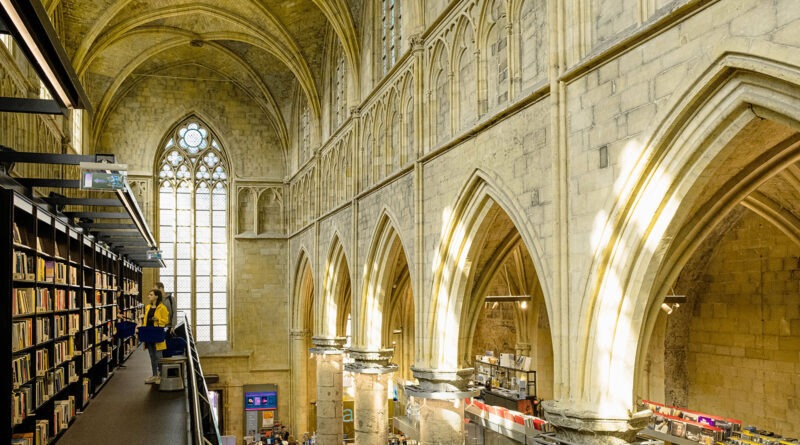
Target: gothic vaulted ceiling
<point>270,48</point>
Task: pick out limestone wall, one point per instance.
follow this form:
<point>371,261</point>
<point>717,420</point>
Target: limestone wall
<point>744,341</point>
<point>137,124</point>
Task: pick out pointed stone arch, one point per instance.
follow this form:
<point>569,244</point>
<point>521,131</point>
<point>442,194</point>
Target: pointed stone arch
<point>482,195</point>
<point>675,197</point>
<point>380,276</point>
<point>337,287</point>
<point>303,293</point>
<point>183,120</point>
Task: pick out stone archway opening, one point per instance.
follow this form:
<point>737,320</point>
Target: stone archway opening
<point>731,347</point>
<point>304,387</point>
<point>502,270</point>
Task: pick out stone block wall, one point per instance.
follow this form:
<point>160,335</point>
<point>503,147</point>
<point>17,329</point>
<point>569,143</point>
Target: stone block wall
<point>135,128</point>
<point>744,345</point>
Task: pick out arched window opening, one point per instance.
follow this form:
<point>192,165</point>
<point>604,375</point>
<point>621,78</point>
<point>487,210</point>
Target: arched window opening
<point>390,33</point>
<point>193,227</point>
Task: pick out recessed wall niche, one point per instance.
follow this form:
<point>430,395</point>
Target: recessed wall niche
<point>260,211</point>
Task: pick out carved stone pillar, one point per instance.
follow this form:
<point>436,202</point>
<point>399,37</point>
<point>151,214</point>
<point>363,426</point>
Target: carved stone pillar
<point>300,400</point>
<point>441,404</point>
<point>371,400</point>
<point>591,428</point>
<point>328,353</point>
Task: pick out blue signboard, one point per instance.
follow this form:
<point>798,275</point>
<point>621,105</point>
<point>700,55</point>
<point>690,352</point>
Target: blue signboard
<point>261,400</point>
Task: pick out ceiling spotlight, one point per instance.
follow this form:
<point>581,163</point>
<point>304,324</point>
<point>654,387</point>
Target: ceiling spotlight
<point>666,308</point>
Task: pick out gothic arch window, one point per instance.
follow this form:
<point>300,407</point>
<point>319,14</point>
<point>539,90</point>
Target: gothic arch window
<point>390,33</point>
<point>340,99</point>
<point>192,172</point>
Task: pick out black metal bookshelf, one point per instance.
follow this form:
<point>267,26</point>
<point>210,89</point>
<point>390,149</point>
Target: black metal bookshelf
<point>64,294</point>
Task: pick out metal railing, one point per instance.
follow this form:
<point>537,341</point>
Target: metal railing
<point>204,428</point>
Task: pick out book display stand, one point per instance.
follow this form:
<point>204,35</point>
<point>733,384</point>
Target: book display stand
<point>511,384</point>
<point>58,330</point>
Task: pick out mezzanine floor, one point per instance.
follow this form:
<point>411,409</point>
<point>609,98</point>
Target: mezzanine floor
<point>128,411</point>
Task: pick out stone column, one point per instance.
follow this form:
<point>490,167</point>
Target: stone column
<point>441,421</point>
<point>328,354</point>
<point>587,427</point>
<point>299,404</point>
<point>440,396</point>
<point>371,399</point>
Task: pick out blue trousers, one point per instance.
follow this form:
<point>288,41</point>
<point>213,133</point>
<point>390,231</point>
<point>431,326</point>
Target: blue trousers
<point>155,356</point>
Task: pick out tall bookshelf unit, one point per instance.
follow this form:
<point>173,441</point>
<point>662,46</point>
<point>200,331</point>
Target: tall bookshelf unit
<point>57,327</point>
<point>129,307</point>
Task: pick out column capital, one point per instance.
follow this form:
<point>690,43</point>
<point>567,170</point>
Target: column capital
<point>442,384</point>
<point>371,361</point>
<point>589,427</point>
<point>417,42</point>
<point>328,345</point>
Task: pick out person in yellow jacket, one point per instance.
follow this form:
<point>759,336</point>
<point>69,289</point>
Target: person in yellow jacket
<point>155,314</point>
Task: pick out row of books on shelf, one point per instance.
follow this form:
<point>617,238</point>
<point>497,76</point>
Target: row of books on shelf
<point>502,415</point>
<point>51,384</point>
<point>40,435</point>
<point>100,317</point>
<point>691,425</point>
<point>22,331</point>
<point>102,298</point>
<point>65,300</point>
<point>85,390</point>
<point>67,324</point>
<point>63,324</point>
<point>707,428</point>
<point>21,365</point>
<point>88,361</point>
<point>63,351</point>
<point>506,360</point>
<point>21,404</point>
<point>63,413</point>
<point>21,335</point>
<point>23,266</point>
<point>21,370</point>
<point>30,268</point>
<point>27,301</point>
<point>130,286</point>
<point>104,280</point>
<point>43,332</point>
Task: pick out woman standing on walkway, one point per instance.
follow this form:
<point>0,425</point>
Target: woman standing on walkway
<point>155,315</point>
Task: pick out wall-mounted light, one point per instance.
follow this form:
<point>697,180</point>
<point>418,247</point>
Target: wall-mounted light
<point>672,302</point>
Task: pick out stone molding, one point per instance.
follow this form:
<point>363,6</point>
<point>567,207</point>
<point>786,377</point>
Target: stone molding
<point>328,345</point>
<point>375,361</point>
<point>442,384</point>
